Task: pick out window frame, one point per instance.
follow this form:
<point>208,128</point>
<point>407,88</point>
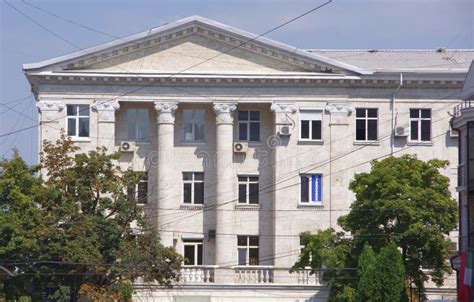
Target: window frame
<point>247,247</point>
<point>419,120</point>
<point>366,120</point>
<point>195,244</point>
<point>248,122</point>
<point>247,182</point>
<point>310,139</point>
<point>192,182</point>
<point>193,122</point>
<point>309,189</point>
<point>137,124</point>
<point>136,189</point>
<point>76,117</point>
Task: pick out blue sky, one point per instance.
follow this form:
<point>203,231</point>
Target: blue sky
<point>373,24</point>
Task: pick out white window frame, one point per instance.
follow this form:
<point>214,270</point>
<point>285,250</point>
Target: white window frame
<point>193,122</point>
<point>136,188</point>
<point>195,244</point>
<point>137,125</point>
<point>311,202</point>
<point>193,181</point>
<point>366,122</point>
<point>76,117</point>
<point>247,247</point>
<point>247,183</point>
<point>418,121</point>
<point>248,122</point>
<point>304,111</point>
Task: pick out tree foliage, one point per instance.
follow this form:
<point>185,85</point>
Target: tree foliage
<point>77,228</point>
<point>390,274</point>
<point>366,285</point>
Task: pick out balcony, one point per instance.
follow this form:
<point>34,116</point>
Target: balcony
<point>197,274</point>
<point>462,114</point>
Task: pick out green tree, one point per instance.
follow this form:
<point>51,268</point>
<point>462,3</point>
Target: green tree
<point>367,285</point>
<point>88,238</point>
<point>390,274</point>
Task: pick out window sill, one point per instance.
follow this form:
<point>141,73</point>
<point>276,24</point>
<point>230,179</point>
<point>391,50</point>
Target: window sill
<point>80,139</point>
<point>419,143</point>
<point>310,142</point>
<point>191,207</point>
<point>193,143</point>
<point>247,207</point>
<point>366,143</point>
<point>304,206</point>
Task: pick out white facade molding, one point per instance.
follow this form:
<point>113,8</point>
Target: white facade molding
<point>224,112</point>
<point>49,106</point>
<point>165,112</point>
<point>282,112</point>
<point>106,110</point>
<point>340,109</point>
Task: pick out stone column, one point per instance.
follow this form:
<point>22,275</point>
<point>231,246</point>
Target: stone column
<point>166,165</point>
<point>225,244</point>
<point>106,122</point>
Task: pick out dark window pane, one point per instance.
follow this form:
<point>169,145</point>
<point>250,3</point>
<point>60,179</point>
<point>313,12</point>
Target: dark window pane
<point>142,192</point>
<point>187,193</point>
<point>189,255</point>
<point>253,194</point>
<point>242,256</point>
<point>187,175</point>
<point>199,176</point>
<point>84,110</point>
<point>71,109</point>
<point>372,131</point>
<point>304,189</point>
<point>372,112</point>
<point>316,130</point>
<point>254,132</point>
<point>243,178</point>
<point>253,240</point>
<point>253,256</point>
<point>242,240</point>
<point>131,193</point>
<point>254,115</point>
<point>71,127</point>
<point>414,130</point>
<point>360,130</point>
<point>255,178</point>
<point>199,259</point>
<point>360,112</point>
<point>199,193</point>
<point>243,131</point>
<point>243,115</point>
<point>425,130</point>
<point>242,193</point>
<point>84,126</point>
<point>414,113</point>
<point>426,113</point>
<point>304,129</point>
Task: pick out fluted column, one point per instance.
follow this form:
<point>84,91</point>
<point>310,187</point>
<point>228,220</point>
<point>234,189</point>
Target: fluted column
<point>106,122</point>
<point>225,244</point>
<point>165,144</point>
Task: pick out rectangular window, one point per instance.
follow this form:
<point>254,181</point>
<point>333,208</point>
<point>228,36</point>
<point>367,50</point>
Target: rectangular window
<point>248,189</point>
<point>192,252</point>
<point>193,187</point>
<point>78,120</point>
<point>138,124</point>
<point>420,125</point>
<point>139,192</point>
<point>249,125</point>
<point>366,124</point>
<point>247,248</point>
<point>311,189</point>
<point>193,125</point>
<point>310,124</point>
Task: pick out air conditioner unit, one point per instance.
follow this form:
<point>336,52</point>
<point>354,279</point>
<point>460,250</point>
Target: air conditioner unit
<point>240,147</point>
<point>401,131</point>
<point>127,146</point>
<point>285,130</point>
<point>453,133</point>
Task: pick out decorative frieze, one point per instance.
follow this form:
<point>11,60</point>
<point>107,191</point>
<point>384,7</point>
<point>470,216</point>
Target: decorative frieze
<point>165,112</point>
<point>224,112</point>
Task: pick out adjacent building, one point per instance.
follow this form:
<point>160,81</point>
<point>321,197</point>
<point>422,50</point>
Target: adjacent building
<point>244,142</point>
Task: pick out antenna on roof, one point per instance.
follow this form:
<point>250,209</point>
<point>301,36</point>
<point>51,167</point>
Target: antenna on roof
<point>441,49</point>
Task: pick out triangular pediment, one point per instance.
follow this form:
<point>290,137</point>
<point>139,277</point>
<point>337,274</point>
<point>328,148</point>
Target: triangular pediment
<point>194,45</point>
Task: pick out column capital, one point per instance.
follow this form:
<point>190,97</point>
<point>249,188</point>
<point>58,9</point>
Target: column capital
<point>282,110</point>
<point>106,109</point>
<point>343,109</point>
<point>44,106</point>
<point>224,112</point>
<point>165,112</point>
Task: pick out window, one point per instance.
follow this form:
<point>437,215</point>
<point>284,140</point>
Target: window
<point>193,252</point>
<point>311,189</point>
<point>249,125</point>
<point>78,120</point>
<point>420,125</point>
<point>310,124</point>
<point>193,124</point>
<point>248,189</point>
<point>193,183</point>
<point>138,124</point>
<point>366,124</point>
<point>139,191</point>
<point>247,250</point>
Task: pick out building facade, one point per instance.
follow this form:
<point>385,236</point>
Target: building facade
<point>244,142</point>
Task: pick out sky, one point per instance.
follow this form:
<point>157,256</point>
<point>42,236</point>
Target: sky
<point>347,24</point>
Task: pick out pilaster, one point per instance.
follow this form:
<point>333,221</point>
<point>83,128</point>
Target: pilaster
<point>106,122</point>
